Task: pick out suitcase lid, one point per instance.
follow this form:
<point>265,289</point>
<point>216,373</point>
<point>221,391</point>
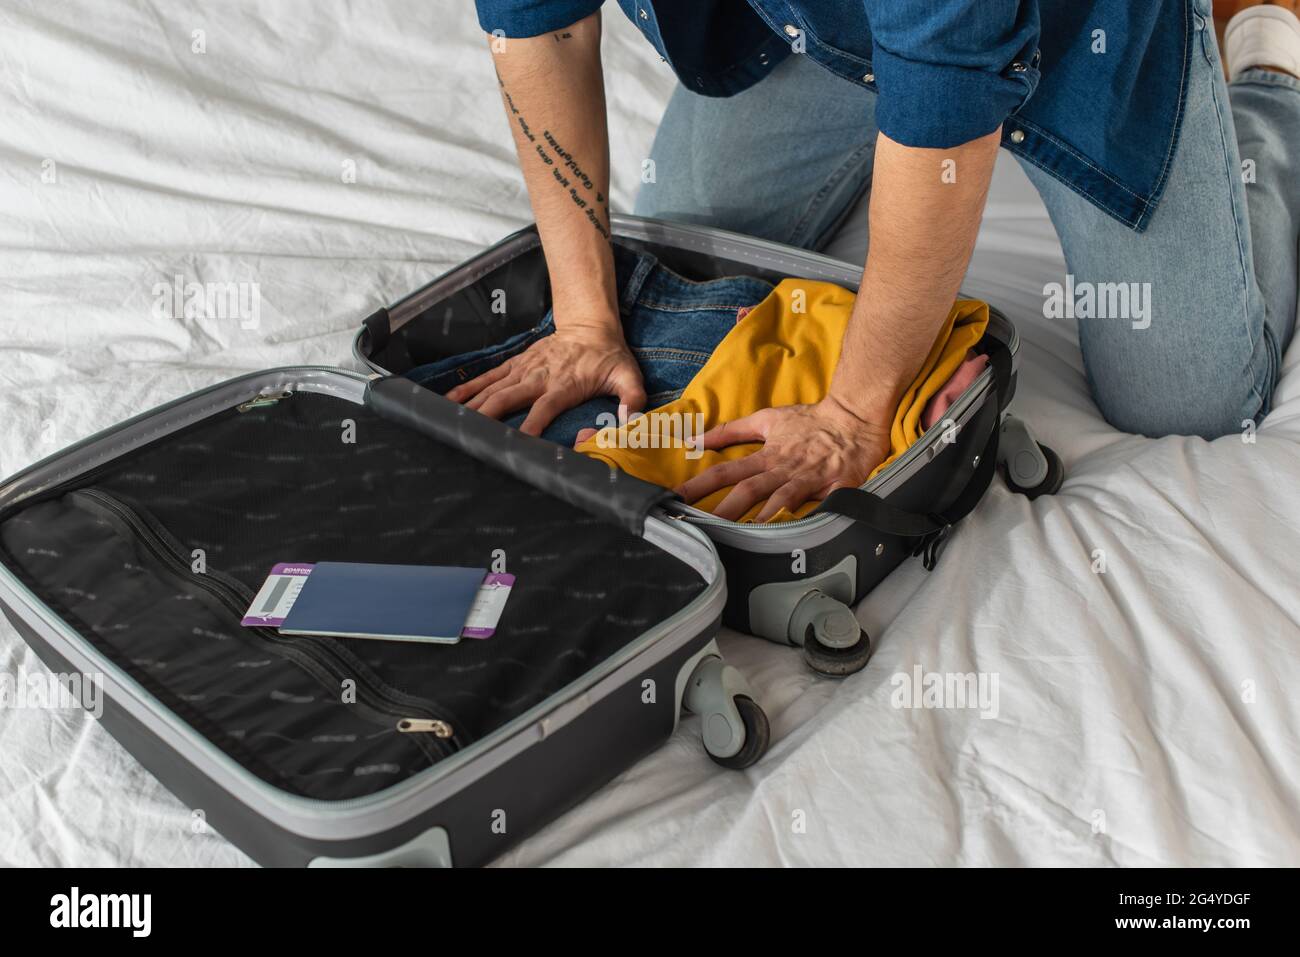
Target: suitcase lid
<point>356,817</point>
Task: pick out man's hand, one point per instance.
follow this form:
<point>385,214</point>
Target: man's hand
<point>808,451</point>
<point>555,374</point>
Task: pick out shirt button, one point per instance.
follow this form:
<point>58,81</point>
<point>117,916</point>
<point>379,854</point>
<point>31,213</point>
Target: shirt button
<point>791,30</point>
<point>1019,67</point>
<point>869,78</point>
<point>1017,136</point>
<point>762,58</point>
<point>644,15</point>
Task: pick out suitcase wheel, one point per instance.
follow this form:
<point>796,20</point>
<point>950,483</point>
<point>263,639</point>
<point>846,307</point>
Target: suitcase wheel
<point>836,662</point>
<point>834,644</point>
<point>1051,483</point>
<point>1029,466</point>
<point>735,729</point>
<point>758,734</point>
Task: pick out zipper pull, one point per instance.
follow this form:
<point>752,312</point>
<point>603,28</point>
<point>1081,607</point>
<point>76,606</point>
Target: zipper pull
<point>439,729</point>
<point>265,398</point>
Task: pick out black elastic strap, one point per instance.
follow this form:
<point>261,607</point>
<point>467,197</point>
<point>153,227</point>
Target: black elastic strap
<point>874,512</point>
<point>975,476</point>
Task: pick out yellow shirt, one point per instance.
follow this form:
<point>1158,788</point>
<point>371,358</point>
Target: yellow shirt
<point>782,353</point>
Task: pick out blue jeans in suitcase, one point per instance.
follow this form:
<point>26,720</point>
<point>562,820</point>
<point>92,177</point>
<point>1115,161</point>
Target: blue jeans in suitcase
<point>672,325</point>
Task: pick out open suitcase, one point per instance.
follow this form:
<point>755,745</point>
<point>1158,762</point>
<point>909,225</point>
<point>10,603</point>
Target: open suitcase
<point>130,557</point>
<point>791,582</point>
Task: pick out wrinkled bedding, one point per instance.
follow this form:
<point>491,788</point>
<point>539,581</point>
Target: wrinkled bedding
<point>1143,626</point>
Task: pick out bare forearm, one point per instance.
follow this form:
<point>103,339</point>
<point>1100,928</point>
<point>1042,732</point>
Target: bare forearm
<point>926,206</point>
<point>554,95</point>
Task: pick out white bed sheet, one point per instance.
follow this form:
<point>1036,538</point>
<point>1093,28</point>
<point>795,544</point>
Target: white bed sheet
<point>1123,696</point>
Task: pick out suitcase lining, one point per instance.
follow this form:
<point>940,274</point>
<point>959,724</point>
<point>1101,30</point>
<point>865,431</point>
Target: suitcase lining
<point>278,483</point>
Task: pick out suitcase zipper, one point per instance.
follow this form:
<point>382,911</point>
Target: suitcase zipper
<point>435,726</point>
<point>317,660</point>
<point>262,399</point>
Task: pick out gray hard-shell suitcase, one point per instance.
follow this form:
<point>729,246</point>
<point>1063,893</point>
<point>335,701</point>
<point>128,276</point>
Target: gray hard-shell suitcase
<point>791,582</point>
<point>128,559</point>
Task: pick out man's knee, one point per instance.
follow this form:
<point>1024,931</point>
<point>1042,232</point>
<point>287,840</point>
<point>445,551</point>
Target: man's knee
<point>1157,404</point>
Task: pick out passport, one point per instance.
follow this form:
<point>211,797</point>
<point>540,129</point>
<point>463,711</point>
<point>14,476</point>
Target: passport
<point>392,602</point>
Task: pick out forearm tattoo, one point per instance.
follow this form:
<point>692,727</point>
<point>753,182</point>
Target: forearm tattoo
<point>564,168</point>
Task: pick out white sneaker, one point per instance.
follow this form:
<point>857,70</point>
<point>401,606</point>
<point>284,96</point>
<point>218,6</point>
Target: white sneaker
<point>1262,36</point>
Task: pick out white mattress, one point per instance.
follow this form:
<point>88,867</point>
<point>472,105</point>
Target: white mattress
<point>1147,715</point>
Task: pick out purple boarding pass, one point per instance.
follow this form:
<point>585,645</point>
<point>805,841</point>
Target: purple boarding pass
<point>486,610</point>
<point>276,596</point>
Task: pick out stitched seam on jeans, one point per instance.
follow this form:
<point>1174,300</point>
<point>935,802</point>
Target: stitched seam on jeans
<point>1274,355</point>
<point>819,200</point>
<point>646,264</point>
<point>691,307</point>
<point>1247,274</point>
<point>498,357</point>
<point>1163,178</point>
<point>665,352</point>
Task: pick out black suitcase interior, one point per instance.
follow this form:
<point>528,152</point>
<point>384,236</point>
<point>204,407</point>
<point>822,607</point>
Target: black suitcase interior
<point>115,553</point>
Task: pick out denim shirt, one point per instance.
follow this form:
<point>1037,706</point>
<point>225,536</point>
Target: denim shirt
<point>1091,91</point>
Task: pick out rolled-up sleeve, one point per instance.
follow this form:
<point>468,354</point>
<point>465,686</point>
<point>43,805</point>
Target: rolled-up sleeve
<point>950,71</point>
<point>531,18</point>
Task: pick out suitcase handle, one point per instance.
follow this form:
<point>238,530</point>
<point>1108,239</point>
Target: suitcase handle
<point>570,476</point>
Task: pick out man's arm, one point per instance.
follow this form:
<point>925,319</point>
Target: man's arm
<point>948,73</point>
<point>554,96</point>
<point>923,225</point>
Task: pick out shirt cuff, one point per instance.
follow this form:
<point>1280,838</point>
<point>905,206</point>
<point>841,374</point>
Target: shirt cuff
<point>938,106</point>
<point>519,19</point>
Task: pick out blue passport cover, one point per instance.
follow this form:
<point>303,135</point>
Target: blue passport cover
<point>394,602</point>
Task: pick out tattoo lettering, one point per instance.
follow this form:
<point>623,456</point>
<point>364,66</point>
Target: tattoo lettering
<point>596,209</point>
<point>568,159</point>
<point>519,117</point>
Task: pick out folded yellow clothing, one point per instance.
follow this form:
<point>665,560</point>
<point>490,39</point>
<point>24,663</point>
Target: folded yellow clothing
<point>783,352</point>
